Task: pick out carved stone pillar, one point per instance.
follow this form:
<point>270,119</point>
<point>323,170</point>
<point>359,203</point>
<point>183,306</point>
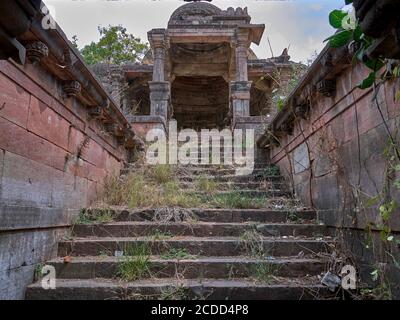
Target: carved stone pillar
<point>159,88</point>
<point>241,62</point>
<point>240,89</point>
<point>159,62</point>
<point>158,42</point>
<point>242,46</point>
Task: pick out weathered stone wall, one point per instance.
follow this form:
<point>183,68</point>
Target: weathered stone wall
<point>336,161</point>
<point>43,183</point>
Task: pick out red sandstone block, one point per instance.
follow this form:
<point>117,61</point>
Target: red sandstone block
<point>83,169</point>
<point>75,140</point>
<point>18,140</point>
<point>44,122</point>
<point>349,125</point>
<point>368,116</point>
<point>14,101</point>
<point>94,191</point>
<point>113,166</point>
<point>18,76</point>
<point>26,182</point>
<point>68,114</point>
<point>94,173</point>
<point>91,152</point>
<point>96,155</point>
<point>69,191</point>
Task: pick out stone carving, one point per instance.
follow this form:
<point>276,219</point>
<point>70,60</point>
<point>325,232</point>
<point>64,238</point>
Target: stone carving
<point>71,88</point>
<point>327,87</point>
<point>96,112</point>
<point>302,110</point>
<point>36,51</point>
<point>232,12</point>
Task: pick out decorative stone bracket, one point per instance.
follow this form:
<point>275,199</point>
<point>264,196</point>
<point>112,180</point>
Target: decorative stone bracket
<point>302,110</point>
<point>36,51</point>
<point>71,88</point>
<point>327,87</point>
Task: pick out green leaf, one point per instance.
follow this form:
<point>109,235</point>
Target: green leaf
<point>368,82</point>
<point>375,64</point>
<point>357,34</point>
<point>340,39</point>
<point>372,201</point>
<point>336,17</point>
<point>348,2</point>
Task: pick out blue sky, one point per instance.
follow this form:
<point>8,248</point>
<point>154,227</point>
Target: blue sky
<point>302,24</point>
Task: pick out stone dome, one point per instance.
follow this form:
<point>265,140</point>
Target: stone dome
<point>195,12</point>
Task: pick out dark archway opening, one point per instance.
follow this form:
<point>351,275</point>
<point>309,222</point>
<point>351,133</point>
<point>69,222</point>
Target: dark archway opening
<point>200,102</point>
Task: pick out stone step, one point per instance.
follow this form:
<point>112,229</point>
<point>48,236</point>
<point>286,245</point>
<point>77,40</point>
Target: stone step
<point>206,267</point>
<point>196,229</point>
<point>168,289</point>
<point>195,170</point>
<point>233,178</point>
<point>250,185</point>
<point>207,246</point>
<point>257,165</point>
<point>210,170</point>
<point>244,193</point>
<point>221,215</point>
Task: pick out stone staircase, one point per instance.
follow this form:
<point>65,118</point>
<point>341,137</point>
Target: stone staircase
<point>276,252</point>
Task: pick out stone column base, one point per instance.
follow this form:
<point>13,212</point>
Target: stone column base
<point>240,98</point>
<point>160,94</point>
<point>143,124</point>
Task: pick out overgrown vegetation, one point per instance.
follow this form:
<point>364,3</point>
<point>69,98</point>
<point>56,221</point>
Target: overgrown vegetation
<point>175,293</point>
<point>178,254</point>
<point>263,271</point>
<point>206,185</point>
<point>284,84</point>
<point>160,235</point>
<point>88,216</point>
<point>150,186</point>
<point>271,171</point>
<point>135,263</point>
<point>158,187</point>
<point>235,200</point>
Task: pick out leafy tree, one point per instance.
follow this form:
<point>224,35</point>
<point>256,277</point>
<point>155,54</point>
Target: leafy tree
<point>115,46</point>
